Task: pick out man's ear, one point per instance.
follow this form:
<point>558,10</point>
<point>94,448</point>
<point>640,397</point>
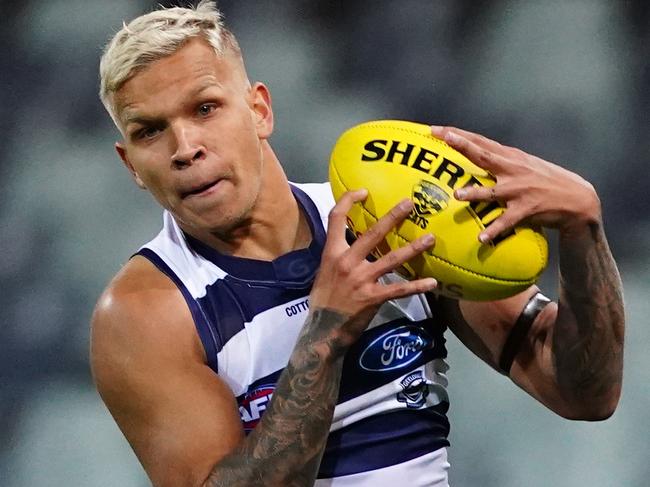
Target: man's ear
<point>261,105</point>
<point>121,151</point>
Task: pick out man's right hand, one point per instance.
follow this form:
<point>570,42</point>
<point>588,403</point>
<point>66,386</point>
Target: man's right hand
<point>347,283</point>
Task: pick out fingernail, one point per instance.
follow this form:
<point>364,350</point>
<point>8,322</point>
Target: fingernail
<point>431,283</point>
<point>436,128</point>
<point>460,194</point>
<point>483,238</point>
<point>427,239</point>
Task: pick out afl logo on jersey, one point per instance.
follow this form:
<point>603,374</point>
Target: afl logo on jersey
<point>395,348</point>
<point>253,405</point>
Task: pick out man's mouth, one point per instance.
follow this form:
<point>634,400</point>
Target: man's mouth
<point>200,189</point>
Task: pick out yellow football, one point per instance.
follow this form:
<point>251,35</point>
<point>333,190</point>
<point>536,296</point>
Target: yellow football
<point>394,160</point>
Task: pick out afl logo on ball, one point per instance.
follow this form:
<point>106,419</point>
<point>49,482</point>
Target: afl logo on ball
<point>395,348</point>
<point>253,405</point>
<point>428,199</point>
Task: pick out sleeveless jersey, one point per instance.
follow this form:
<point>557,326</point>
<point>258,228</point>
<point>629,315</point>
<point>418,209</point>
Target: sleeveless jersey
<point>390,423</point>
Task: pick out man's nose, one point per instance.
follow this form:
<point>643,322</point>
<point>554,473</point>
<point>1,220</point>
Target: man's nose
<point>188,147</point>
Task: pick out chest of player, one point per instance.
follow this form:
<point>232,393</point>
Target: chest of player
<point>386,364</point>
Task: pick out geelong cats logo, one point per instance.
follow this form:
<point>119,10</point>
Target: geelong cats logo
<point>414,390</point>
<point>428,198</point>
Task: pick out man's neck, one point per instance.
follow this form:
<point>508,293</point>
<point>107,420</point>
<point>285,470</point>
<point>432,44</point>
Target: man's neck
<point>282,231</point>
<point>276,225</point>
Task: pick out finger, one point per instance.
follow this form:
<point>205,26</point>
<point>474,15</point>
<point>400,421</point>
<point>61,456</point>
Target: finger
<point>367,242</point>
<point>478,139</point>
<point>483,157</point>
<point>397,257</point>
<point>504,223</point>
<point>337,220</point>
<point>497,192</point>
<point>405,288</point>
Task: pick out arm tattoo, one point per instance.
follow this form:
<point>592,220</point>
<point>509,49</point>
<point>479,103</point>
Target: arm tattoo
<point>588,336</point>
<point>287,445</point>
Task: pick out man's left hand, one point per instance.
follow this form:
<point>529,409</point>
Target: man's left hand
<point>535,192</point>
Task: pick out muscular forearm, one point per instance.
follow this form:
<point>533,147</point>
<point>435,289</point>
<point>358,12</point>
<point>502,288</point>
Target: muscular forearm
<point>286,446</point>
<point>588,334</point>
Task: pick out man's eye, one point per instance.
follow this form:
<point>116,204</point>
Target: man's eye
<point>206,108</point>
<point>147,133</point>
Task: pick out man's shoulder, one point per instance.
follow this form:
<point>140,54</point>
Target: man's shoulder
<point>139,306</point>
<point>136,280</point>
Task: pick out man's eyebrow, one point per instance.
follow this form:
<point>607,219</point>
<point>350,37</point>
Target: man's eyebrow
<point>139,119</point>
<point>206,85</point>
<point>136,119</point>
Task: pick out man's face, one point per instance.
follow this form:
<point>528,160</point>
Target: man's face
<point>193,130</point>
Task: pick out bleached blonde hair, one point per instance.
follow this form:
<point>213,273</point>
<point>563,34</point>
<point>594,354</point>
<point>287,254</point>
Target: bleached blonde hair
<point>155,35</point>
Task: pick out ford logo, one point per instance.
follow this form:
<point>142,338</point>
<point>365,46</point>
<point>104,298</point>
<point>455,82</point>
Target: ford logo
<point>395,348</point>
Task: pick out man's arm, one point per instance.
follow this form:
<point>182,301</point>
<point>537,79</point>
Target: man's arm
<point>286,446</point>
<point>181,419</point>
<point>571,359</point>
<point>151,372</point>
<point>589,330</point>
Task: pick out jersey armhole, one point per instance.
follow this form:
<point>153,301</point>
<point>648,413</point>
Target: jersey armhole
<point>206,334</point>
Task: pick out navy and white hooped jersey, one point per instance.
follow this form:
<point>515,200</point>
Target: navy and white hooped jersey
<point>390,423</point>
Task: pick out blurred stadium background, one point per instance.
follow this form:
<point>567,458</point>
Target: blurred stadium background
<point>566,80</point>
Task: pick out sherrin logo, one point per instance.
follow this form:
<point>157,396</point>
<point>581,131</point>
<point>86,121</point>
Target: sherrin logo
<point>253,405</point>
<point>446,172</point>
<point>395,348</point>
